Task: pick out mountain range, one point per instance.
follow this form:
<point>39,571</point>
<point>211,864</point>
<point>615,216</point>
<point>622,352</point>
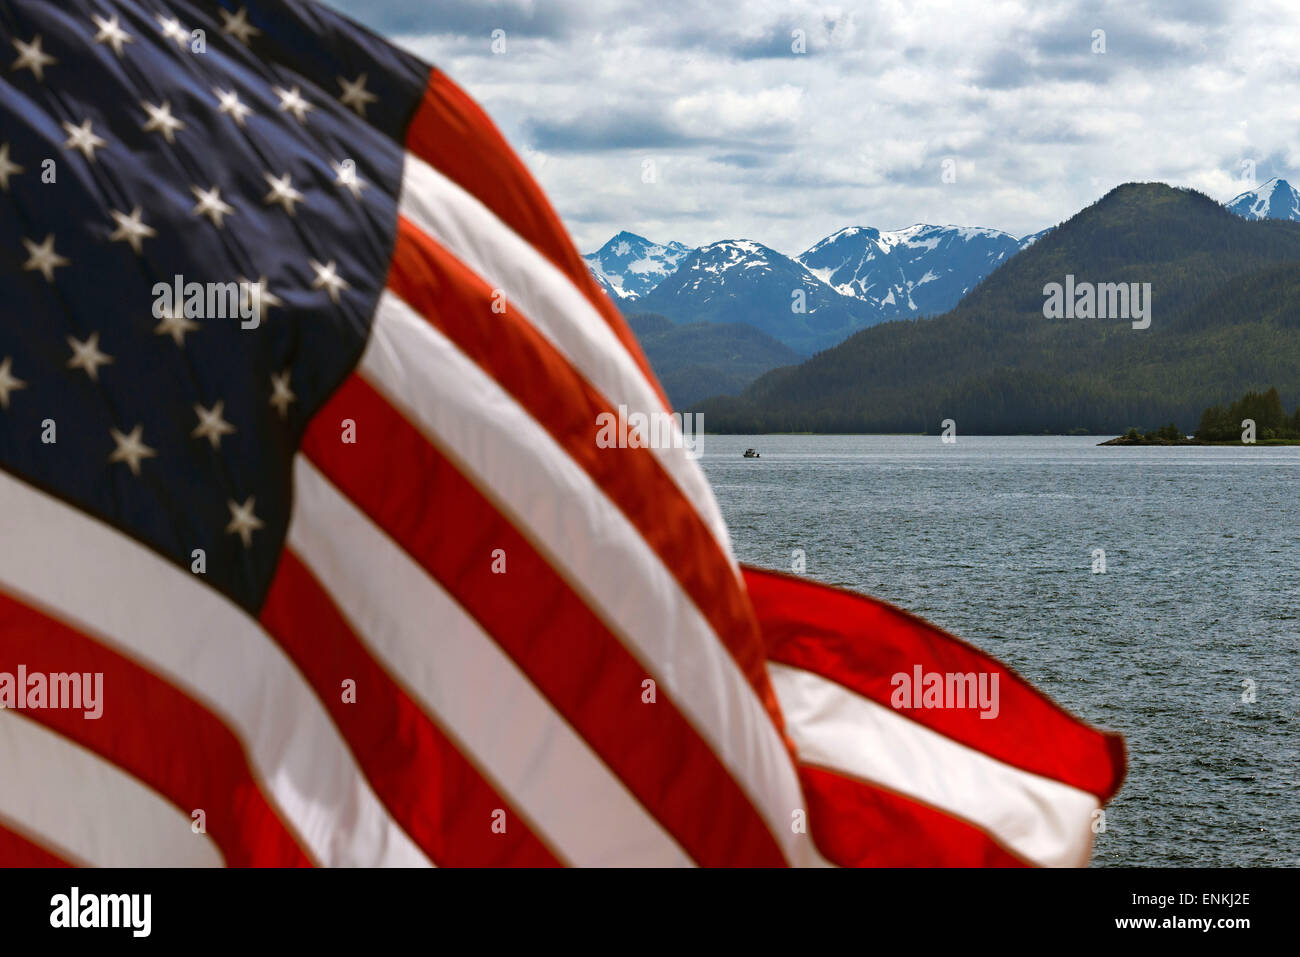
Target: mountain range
<point>850,280</point>
<point>1225,318</point>
<point>761,306</point>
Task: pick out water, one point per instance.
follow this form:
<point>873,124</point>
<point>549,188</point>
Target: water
<point>992,538</point>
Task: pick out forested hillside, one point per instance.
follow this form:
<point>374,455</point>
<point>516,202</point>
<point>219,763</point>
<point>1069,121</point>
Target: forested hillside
<point>704,358</point>
<point>1225,319</point>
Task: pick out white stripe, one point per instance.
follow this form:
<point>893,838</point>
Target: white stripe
<point>460,676</point>
<point>87,810</point>
<point>114,589</point>
<point>1042,820</point>
<point>555,307</point>
<point>590,543</point>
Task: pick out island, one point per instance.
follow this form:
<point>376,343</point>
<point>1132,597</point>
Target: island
<point>1257,418</point>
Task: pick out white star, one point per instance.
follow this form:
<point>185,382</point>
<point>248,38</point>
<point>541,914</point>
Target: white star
<point>328,279</point>
<point>282,192</point>
<point>211,425</point>
<point>111,33</point>
<point>32,57</point>
<point>281,394</point>
<point>211,205</point>
<point>355,94</point>
<point>292,102</point>
<point>265,298</point>
<point>130,229</point>
<point>83,138</point>
<point>86,355</point>
<point>345,174</point>
<point>237,25</point>
<point>230,104</point>
<point>8,382</point>
<point>44,258</point>
<point>7,167</point>
<point>130,449</point>
<point>175,324</point>
<point>173,30</point>
<point>242,521</point>
<point>161,119</point>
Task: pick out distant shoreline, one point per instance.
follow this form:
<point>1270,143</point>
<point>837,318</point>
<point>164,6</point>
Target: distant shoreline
<point>1124,440</point>
<point>1117,440</point>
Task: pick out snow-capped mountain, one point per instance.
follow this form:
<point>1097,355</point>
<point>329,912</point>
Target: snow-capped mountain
<point>853,278</point>
<point>629,266</point>
<point>918,271</point>
<point>744,281</point>
<point>1276,199</point>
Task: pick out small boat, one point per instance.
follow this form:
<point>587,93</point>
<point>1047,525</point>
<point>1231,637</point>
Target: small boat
<point>752,454</point>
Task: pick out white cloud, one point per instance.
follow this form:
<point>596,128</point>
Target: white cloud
<point>729,112</point>
<point>755,141</point>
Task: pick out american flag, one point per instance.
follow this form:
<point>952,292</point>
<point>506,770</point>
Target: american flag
<point>361,585</point>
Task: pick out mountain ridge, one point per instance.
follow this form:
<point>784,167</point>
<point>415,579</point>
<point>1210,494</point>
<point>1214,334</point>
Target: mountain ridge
<point>1274,199</point>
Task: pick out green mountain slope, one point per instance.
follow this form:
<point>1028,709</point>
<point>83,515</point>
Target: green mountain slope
<point>703,358</point>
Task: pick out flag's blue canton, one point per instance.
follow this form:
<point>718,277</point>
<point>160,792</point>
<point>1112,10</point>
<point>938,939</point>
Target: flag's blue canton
<point>130,154</point>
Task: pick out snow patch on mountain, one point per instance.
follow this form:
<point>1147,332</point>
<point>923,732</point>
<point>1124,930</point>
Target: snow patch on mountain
<point>1027,241</point>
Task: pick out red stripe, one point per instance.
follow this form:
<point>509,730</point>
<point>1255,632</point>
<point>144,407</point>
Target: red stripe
<point>451,133</point>
<point>451,530</point>
<point>454,299</point>
<point>855,824</point>
<point>151,730</point>
<point>431,790</point>
<point>19,851</point>
<point>862,642</point>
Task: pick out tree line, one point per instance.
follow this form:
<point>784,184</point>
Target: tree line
<point>1220,424</point>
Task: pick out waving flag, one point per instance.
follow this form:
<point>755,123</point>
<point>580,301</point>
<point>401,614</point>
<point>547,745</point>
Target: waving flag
<point>308,551</point>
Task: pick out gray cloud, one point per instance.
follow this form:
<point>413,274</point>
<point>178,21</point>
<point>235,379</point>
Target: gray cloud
<point>779,41</point>
<point>609,131</point>
<point>742,160</point>
<point>523,18</point>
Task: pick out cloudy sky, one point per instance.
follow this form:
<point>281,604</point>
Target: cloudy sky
<point>743,137</point>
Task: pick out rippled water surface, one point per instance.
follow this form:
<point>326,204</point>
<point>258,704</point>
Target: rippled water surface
<point>992,538</point>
